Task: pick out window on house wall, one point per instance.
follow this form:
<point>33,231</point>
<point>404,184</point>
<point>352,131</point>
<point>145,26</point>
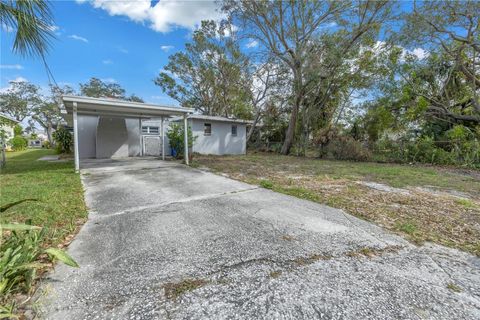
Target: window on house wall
<point>150,130</point>
<point>207,129</point>
<point>234,130</point>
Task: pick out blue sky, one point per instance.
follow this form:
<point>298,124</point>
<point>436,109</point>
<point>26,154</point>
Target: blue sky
<point>128,43</point>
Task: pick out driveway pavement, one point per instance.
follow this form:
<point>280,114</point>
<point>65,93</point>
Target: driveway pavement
<point>165,241</point>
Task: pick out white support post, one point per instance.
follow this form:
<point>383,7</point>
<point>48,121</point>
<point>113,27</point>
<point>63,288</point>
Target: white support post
<point>140,136</point>
<point>75,138</point>
<point>163,139</point>
<point>185,138</point>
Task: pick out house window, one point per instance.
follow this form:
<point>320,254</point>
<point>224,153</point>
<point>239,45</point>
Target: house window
<point>207,129</point>
<point>234,130</point>
<point>150,130</point>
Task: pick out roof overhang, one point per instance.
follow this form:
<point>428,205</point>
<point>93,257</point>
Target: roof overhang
<point>117,108</point>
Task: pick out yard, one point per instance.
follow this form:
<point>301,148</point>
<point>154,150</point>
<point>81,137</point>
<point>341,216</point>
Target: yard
<point>436,204</point>
<point>47,193</point>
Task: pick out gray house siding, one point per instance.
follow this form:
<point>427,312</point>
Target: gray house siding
<point>87,135</point>
<point>112,138</point>
<point>220,141</point>
<point>134,138</point>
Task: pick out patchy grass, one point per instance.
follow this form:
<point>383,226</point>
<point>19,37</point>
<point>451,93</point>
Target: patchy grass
<point>303,261</point>
<point>455,288</point>
<point>466,203</point>
<point>173,290</point>
<point>372,252</point>
<point>49,194</point>
<point>427,209</point>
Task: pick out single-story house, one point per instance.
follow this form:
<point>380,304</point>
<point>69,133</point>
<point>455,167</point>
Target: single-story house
<point>7,125</point>
<point>111,128</point>
<point>218,135</point>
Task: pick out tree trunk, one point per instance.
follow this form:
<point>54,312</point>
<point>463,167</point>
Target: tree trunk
<point>252,127</point>
<point>3,164</point>
<point>289,136</point>
<point>49,134</point>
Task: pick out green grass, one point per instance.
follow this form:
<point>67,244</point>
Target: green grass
<point>49,194</point>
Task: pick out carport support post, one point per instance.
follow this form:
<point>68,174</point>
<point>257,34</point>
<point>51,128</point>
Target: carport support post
<point>75,138</point>
<point>163,139</point>
<point>185,138</point>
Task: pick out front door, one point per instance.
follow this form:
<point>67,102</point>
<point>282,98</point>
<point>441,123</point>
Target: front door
<point>152,146</point>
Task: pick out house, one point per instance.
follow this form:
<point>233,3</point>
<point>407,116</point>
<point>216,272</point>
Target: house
<point>111,128</point>
<point>218,135</point>
<point>7,125</point>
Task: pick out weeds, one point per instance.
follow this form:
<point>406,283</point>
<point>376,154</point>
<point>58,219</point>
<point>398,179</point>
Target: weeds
<point>173,290</point>
<point>266,184</point>
<point>452,286</point>
<point>22,255</point>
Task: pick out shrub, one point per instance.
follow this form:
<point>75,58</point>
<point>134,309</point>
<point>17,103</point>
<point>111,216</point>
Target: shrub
<point>18,143</point>
<point>347,148</point>
<point>175,136</point>
<point>46,144</point>
<point>17,130</point>
<point>64,140</point>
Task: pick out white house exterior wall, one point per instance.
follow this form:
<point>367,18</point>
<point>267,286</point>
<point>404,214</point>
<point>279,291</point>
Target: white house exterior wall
<point>221,141</point>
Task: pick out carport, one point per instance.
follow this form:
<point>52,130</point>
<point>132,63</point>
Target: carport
<point>76,107</point>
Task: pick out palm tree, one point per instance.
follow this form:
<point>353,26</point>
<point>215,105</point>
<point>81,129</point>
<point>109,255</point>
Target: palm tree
<point>33,22</point>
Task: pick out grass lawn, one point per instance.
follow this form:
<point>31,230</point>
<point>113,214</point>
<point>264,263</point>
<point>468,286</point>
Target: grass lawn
<point>50,194</point>
<point>426,208</point>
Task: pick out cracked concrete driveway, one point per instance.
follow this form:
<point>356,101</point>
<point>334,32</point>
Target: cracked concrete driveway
<point>164,241</point>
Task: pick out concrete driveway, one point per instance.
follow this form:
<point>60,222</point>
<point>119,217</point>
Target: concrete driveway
<point>165,241</point>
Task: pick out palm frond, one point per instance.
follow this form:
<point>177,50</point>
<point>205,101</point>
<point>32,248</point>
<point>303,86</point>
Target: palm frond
<point>33,22</point>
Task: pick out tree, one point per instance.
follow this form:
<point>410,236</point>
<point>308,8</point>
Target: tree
<point>447,86</point>
<point>19,99</point>
<point>210,75</point>
<point>285,29</point>
<point>32,20</point>
<point>97,88</point>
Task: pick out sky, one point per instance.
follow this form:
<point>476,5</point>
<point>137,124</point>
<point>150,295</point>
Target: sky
<point>126,42</point>
<point>120,41</point>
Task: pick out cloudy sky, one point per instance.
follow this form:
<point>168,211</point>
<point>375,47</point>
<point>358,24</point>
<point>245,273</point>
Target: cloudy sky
<point>127,42</point>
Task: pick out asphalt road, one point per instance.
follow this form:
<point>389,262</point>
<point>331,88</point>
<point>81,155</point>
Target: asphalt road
<point>164,241</point>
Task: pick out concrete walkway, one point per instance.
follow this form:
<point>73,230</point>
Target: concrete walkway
<point>165,241</point>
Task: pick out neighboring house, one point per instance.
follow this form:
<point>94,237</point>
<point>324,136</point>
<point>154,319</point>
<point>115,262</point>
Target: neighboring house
<point>7,125</point>
<point>218,135</point>
<point>38,141</point>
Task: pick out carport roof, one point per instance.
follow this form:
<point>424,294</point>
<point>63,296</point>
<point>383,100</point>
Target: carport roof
<point>119,108</point>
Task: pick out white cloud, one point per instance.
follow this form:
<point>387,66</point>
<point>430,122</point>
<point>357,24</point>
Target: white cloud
<point>9,87</point>
<point>109,80</point>
<point>252,43</point>
<point>7,28</point>
<point>167,48</point>
<point>165,14</point>
<point>122,50</point>
<point>79,38</point>
<point>420,53</point>
<point>11,66</point>
<point>107,61</point>
<point>18,79</point>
